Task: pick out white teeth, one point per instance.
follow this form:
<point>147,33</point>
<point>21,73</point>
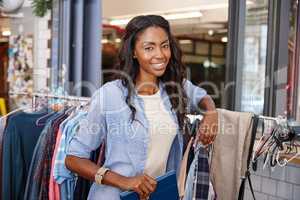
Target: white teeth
<point>158,65</point>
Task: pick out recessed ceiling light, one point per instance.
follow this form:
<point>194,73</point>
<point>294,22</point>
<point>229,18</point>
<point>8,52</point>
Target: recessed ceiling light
<point>104,41</point>
<point>224,39</point>
<point>185,41</point>
<point>117,40</point>
<point>183,15</point>
<point>6,33</point>
<point>168,16</point>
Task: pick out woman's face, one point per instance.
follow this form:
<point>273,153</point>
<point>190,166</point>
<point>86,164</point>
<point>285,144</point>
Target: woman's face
<point>152,51</point>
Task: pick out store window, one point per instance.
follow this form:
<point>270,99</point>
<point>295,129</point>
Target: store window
<point>24,53</point>
<point>293,61</point>
<point>254,63</point>
<point>205,61</point>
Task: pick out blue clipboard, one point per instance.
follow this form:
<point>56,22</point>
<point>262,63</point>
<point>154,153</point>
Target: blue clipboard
<point>166,189</point>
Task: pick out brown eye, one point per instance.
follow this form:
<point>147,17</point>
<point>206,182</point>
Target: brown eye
<point>166,46</point>
<point>149,48</point>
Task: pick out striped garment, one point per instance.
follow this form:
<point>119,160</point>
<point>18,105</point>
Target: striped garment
<point>201,178</point>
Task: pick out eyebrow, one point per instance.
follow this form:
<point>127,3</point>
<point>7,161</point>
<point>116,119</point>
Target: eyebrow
<point>153,43</point>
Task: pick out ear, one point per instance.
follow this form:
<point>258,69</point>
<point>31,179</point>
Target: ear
<point>134,54</point>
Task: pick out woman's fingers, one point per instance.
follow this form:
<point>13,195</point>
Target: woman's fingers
<point>208,128</point>
<point>150,186</point>
<point>151,180</point>
<point>143,184</point>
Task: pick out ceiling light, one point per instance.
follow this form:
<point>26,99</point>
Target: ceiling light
<point>6,33</point>
<point>206,64</point>
<point>249,2</point>
<point>118,22</point>
<point>117,40</point>
<point>185,41</point>
<point>213,6</point>
<point>170,16</point>
<point>224,39</point>
<point>183,15</point>
<point>210,32</point>
<point>104,41</point>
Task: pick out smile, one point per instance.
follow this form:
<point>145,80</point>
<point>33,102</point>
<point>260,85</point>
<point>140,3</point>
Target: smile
<point>158,66</point>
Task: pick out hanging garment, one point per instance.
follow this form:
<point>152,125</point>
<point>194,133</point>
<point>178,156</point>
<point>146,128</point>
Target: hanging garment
<point>183,170</point>
<point>34,180</point>
<point>54,192</point>
<point>198,185</point>
<point>230,151</point>
<point>61,174</point>
<point>2,129</point>
<point>201,183</point>
<point>2,125</point>
<point>46,164</point>
<point>19,140</point>
<point>195,165</point>
<point>54,188</point>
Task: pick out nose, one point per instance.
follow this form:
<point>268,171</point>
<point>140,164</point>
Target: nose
<point>159,53</point>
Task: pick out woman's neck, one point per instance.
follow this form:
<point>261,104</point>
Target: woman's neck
<point>147,86</point>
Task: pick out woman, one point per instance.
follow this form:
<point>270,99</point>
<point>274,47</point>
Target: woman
<point>140,115</point>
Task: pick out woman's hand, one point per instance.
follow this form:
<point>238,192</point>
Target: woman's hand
<point>208,128</point>
<point>143,184</point>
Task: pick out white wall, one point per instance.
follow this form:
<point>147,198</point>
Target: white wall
<point>41,52</point>
<point>27,3</point>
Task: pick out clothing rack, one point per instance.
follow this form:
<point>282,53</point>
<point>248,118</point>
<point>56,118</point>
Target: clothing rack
<point>64,97</point>
<point>295,125</point>
<point>268,118</point>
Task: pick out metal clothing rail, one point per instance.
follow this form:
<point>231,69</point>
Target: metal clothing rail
<point>64,97</point>
<point>293,125</point>
<point>267,118</point>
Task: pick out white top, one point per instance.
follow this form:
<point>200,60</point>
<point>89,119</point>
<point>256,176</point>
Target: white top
<point>162,131</point>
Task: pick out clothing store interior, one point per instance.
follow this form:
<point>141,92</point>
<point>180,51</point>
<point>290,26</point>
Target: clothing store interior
<point>56,54</point>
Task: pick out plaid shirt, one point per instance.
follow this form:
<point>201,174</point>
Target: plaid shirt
<point>201,179</point>
<point>46,165</point>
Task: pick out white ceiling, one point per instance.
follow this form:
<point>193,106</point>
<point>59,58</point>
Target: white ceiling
<point>114,8</point>
<point>215,13</point>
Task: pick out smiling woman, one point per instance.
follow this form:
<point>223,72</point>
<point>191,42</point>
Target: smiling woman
<point>141,114</point>
<point>153,53</point>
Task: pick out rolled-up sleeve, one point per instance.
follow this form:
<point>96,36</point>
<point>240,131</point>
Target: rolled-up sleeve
<point>194,94</point>
<point>92,128</point>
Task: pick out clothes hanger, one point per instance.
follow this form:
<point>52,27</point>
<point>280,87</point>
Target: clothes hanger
<point>24,109</point>
<point>263,145</point>
<point>284,161</point>
<point>54,109</point>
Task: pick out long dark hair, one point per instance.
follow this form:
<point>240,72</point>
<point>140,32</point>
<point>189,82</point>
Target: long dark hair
<point>175,71</point>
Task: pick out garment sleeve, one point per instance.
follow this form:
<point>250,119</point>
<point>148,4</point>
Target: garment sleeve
<point>194,95</point>
<point>13,168</point>
<point>92,128</point>
<point>7,169</point>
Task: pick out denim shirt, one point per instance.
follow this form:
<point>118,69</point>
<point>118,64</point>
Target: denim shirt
<point>109,118</point>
